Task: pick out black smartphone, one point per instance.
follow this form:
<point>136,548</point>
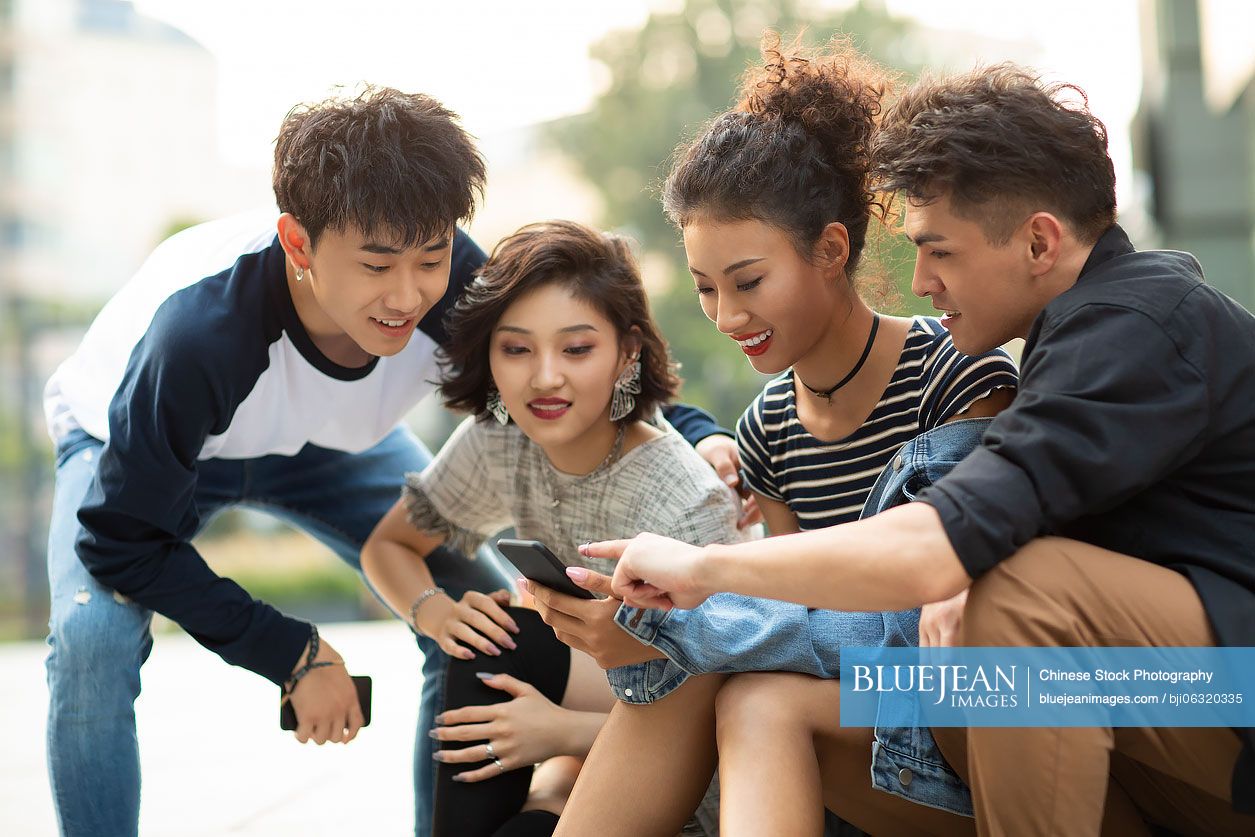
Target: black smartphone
<point>536,563</point>
<point>361,682</point>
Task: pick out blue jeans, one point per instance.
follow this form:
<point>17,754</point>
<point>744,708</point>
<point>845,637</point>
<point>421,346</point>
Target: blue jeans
<point>98,640</point>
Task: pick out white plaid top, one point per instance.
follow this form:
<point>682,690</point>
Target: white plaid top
<point>487,478</point>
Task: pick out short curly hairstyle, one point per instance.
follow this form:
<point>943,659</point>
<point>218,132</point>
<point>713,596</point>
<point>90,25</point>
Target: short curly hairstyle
<point>598,268</point>
<point>392,164</point>
<point>1000,144</point>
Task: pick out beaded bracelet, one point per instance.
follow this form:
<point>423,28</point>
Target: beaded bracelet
<point>422,597</point>
<point>290,684</point>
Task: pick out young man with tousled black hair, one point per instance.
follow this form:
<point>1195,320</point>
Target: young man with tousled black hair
<point>263,362</point>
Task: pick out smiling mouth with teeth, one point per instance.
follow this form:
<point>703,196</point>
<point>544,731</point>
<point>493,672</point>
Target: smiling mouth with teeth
<point>390,323</point>
<point>756,339</point>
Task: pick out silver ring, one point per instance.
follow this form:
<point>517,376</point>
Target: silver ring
<point>497,762</point>
<point>492,754</point>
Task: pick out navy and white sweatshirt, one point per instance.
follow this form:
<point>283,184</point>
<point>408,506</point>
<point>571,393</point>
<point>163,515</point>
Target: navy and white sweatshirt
<point>202,356</point>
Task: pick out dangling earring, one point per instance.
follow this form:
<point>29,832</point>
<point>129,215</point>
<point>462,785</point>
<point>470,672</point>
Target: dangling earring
<point>626,387</point>
<point>497,407</point>
<point>300,274</point>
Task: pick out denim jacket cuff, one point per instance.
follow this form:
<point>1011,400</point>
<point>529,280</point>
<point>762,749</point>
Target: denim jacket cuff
<point>641,622</point>
<point>653,679</point>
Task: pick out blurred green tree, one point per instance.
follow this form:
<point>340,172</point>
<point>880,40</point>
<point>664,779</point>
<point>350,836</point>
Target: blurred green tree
<point>664,82</point>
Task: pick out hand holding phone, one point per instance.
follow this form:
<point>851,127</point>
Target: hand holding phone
<point>322,696</point>
<point>362,683</point>
<point>536,563</point>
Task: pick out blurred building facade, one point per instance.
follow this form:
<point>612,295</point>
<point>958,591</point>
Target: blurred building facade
<point>1197,150</point>
<point>108,139</point>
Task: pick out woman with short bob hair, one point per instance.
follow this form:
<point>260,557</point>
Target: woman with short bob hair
<point>554,353</point>
<point>598,268</point>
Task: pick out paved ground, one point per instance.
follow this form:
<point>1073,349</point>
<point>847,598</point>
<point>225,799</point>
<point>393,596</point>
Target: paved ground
<point>215,761</point>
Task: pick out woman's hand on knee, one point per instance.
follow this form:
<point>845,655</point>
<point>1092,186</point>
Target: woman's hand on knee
<point>523,731</point>
<point>478,621</point>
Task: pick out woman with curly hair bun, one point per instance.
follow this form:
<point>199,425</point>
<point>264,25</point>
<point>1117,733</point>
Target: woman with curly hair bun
<point>774,203</point>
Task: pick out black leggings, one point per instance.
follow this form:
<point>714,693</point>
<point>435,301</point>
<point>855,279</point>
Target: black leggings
<point>491,807</point>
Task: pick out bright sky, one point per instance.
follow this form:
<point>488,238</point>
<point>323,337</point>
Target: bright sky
<point>499,63</point>
<point>503,64</point>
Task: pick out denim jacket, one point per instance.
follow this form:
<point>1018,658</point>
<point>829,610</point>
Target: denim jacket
<point>734,633</point>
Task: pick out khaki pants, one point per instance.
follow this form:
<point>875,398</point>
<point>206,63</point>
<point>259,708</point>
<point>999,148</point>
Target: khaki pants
<point>1086,781</point>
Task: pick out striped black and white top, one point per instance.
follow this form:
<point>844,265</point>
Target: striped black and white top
<point>826,483</point>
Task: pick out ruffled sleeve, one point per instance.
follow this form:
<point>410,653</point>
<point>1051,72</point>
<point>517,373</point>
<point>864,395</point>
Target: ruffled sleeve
<point>458,494</point>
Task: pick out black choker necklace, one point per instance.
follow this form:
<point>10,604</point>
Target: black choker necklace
<point>826,394</point>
